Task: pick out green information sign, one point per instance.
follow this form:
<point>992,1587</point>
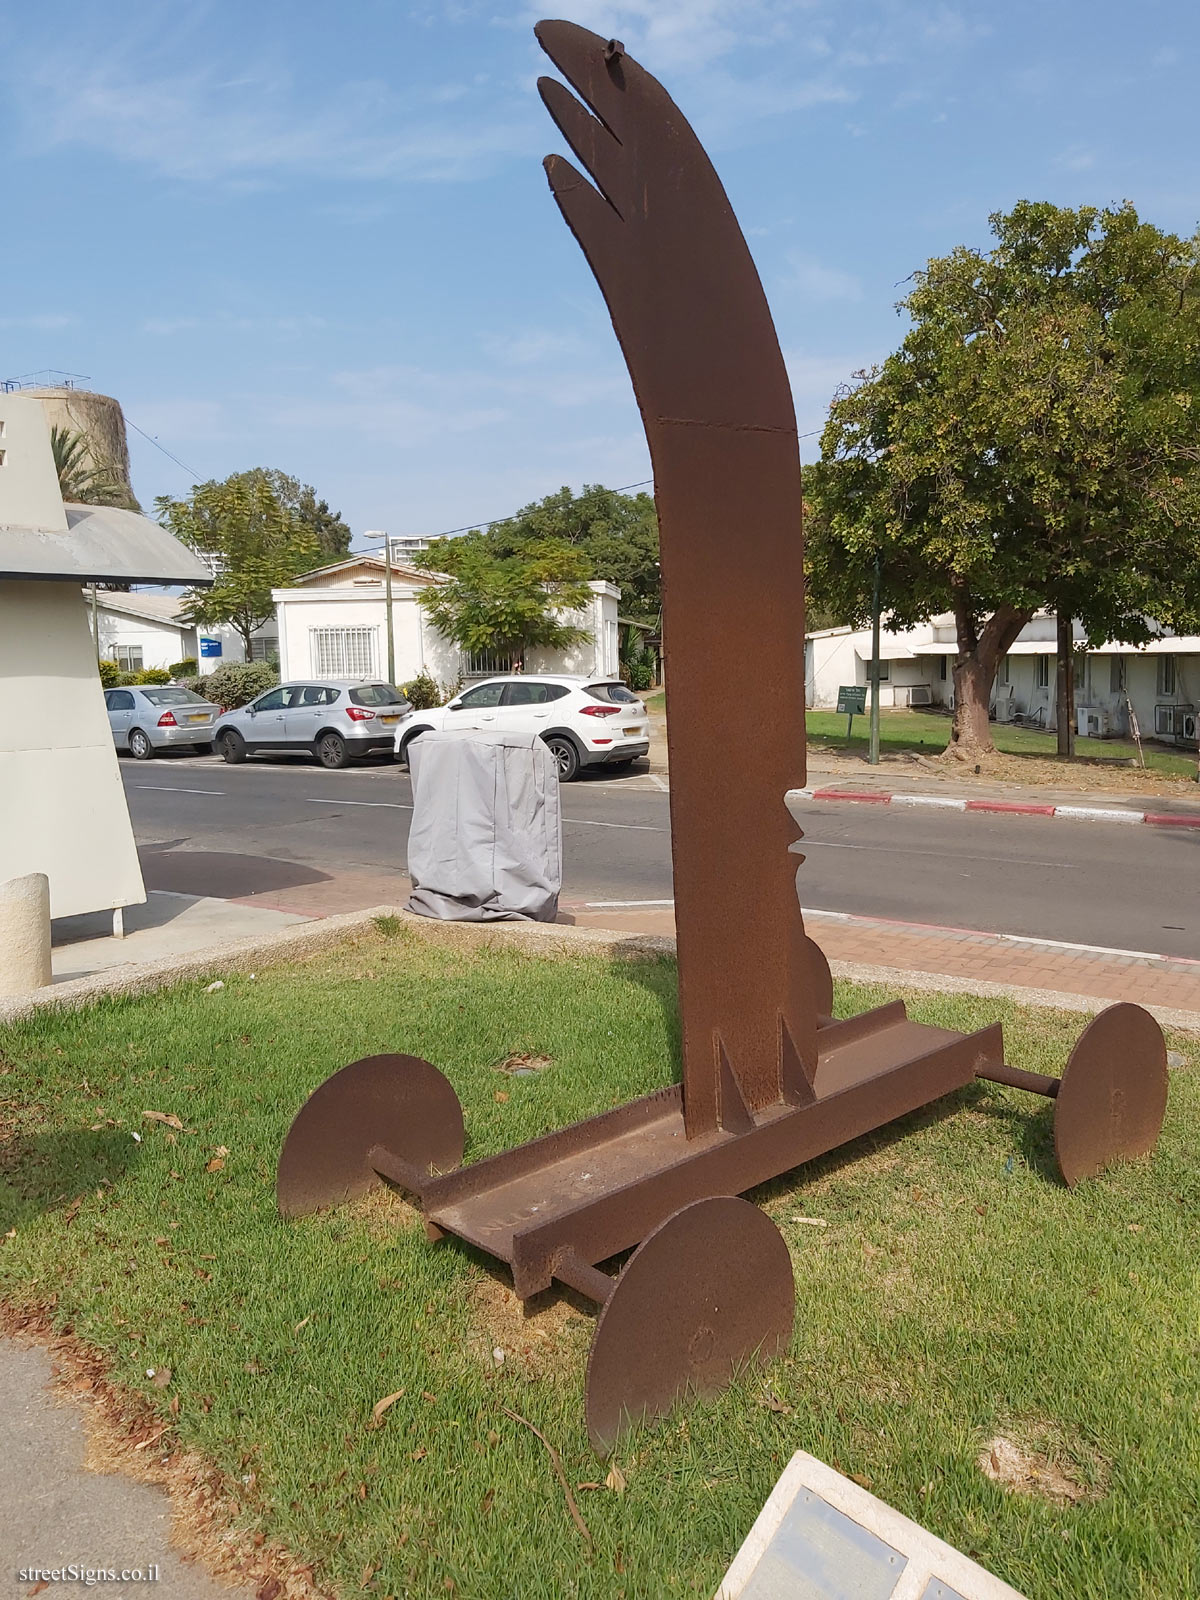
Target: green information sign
<point>852,702</point>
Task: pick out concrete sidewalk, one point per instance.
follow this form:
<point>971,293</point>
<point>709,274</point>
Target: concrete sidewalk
<point>54,1513</point>
<point>892,778</point>
<point>167,925</point>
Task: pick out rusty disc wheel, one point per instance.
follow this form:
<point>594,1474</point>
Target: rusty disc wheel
<point>1113,1095</point>
<point>400,1102</point>
<point>708,1292</point>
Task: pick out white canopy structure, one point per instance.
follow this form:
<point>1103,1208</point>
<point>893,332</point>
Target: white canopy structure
<point>62,806</point>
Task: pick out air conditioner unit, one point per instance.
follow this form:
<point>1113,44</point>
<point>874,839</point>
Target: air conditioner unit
<point>1171,721</point>
<point>1091,723</point>
<point>1003,705</point>
<point>913,694</point>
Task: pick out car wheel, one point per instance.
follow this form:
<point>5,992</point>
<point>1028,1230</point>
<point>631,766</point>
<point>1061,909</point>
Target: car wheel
<point>404,748</point>
<point>332,752</point>
<point>204,749</point>
<point>233,748</point>
<point>566,758</point>
<point>140,747</point>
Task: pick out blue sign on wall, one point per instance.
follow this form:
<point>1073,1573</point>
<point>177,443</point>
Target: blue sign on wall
<point>210,647</point>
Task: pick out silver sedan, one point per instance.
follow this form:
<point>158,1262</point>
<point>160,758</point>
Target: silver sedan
<point>147,720</point>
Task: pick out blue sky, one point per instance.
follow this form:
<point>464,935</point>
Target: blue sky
<point>320,238</point>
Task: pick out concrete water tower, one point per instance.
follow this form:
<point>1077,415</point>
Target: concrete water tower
<point>98,417</point>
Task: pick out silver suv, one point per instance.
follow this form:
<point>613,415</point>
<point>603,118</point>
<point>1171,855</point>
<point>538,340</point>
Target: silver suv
<point>338,720</point>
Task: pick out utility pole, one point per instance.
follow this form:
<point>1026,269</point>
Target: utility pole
<point>387,590</point>
<point>95,624</point>
<point>873,751</point>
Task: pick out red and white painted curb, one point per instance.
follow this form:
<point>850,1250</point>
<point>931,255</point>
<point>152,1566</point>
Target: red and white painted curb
<point>1159,819</point>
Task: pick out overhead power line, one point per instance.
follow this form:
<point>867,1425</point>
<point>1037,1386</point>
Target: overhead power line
<point>195,476</point>
<point>486,522</point>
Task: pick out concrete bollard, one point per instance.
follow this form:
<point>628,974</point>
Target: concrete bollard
<point>25,934</point>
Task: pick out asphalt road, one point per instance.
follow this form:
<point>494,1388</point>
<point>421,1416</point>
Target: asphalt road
<point>1110,884</point>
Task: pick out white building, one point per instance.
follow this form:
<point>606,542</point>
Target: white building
<point>1161,680</point>
<point>333,623</point>
<point>146,628</point>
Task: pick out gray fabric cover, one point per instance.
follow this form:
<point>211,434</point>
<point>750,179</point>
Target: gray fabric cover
<point>486,837</point>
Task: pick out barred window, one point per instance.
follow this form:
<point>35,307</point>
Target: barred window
<point>344,652</point>
<point>488,663</point>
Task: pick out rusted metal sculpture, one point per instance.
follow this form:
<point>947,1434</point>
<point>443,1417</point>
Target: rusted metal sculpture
<point>769,1079</point>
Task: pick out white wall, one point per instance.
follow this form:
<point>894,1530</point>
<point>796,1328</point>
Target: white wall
<point>62,806</point>
<point>162,643</point>
<point>418,645</point>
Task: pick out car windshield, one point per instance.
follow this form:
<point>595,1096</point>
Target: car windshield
<point>616,692</point>
<point>173,696</point>
<point>377,694</point>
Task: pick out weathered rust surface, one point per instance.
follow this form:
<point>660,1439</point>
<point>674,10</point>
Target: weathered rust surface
<point>1113,1096</point>
<point>692,320</point>
<point>401,1102</point>
<point>596,1188</point>
<point>708,1292</point>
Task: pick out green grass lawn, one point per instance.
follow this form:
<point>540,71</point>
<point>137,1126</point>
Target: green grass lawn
<point>924,731</point>
<point>957,1292</point>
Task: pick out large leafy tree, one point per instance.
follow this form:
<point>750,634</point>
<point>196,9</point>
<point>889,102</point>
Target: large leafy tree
<point>253,543</point>
<point>616,534</point>
<point>505,603</point>
<point>1034,442</point>
<point>331,533</point>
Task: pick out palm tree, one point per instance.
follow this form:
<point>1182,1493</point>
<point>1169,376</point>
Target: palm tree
<point>81,478</point>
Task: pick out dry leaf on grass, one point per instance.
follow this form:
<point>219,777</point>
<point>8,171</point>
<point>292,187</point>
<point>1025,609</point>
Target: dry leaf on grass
<point>521,1064</point>
<point>615,1480</point>
<point>162,1378</point>
<point>163,1116</point>
<point>380,1406</point>
<point>215,1165</point>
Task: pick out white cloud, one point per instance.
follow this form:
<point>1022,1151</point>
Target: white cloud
<point>225,322</point>
<point>815,281</point>
<point>200,124</point>
<point>40,321</point>
<point>1076,157</point>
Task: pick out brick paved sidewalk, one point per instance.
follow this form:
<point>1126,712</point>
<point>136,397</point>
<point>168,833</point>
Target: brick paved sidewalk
<point>875,950</point>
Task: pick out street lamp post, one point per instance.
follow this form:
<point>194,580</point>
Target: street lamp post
<point>387,589</point>
<point>873,750</point>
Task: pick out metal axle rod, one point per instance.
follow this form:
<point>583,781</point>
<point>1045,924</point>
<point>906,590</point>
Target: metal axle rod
<point>576,1273</point>
<point>1018,1078</point>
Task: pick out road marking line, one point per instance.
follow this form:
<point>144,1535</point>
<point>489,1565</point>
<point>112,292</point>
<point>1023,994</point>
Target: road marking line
<point>658,782</point>
<point>629,827</point>
<point>943,801</point>
<point>373,805</point>
<point>174,788</point>
<point>905,850</point>
<point>621,905</point>
<point>1009,938</point>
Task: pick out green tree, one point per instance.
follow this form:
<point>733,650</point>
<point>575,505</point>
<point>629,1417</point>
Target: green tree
<point>254,545</point>
<point>331,533</point>
<point>505,603</point>
<point>82,477</point>
<point>1034,442</point>
<point>616,533</point>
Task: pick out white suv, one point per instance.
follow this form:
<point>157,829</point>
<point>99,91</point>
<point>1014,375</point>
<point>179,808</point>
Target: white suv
<point>586,722</point>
